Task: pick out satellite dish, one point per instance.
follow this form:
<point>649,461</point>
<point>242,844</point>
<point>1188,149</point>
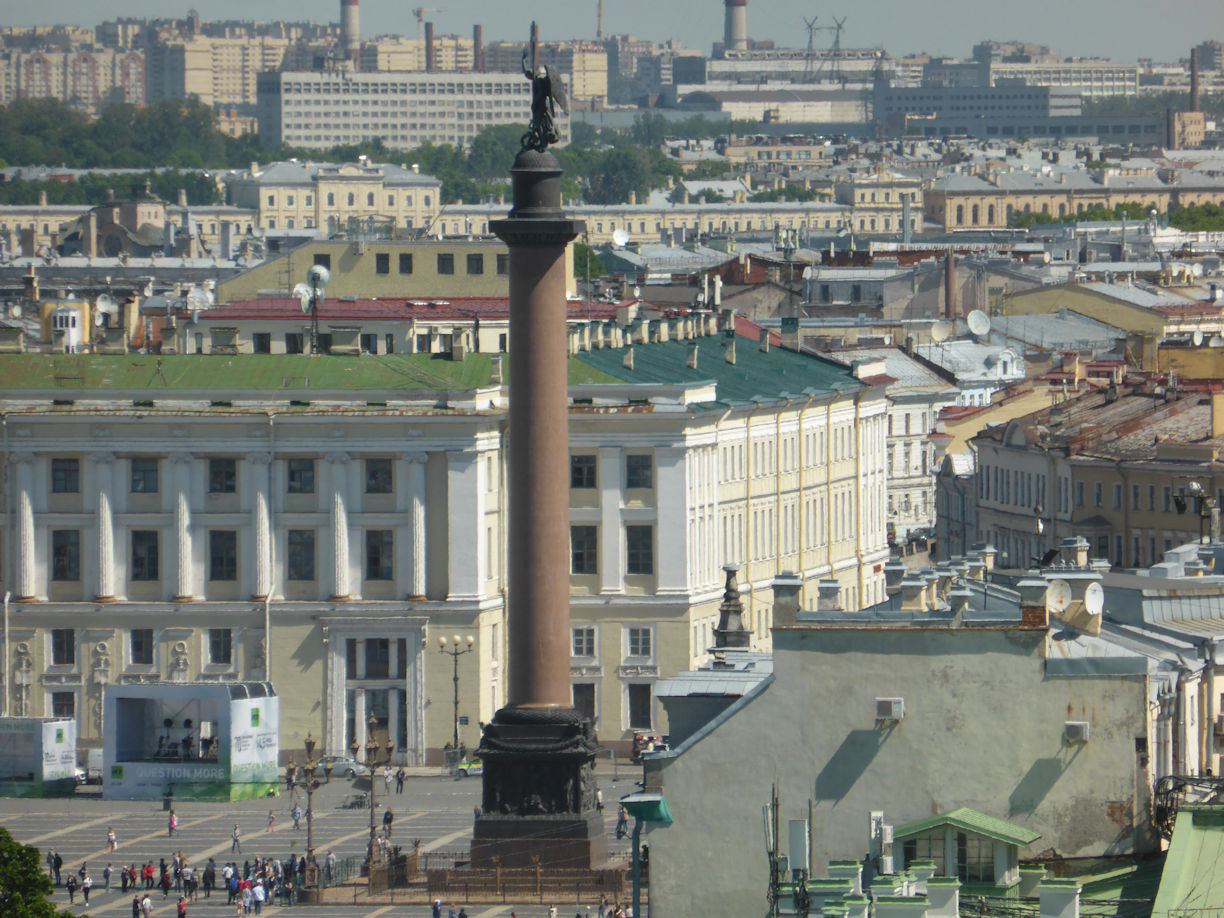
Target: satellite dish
<point>104,306</point>
<point>303,294</point>
<point>1058,595</point>
<point>197,299</point>
<point>1216,341</point>
<point>940,331</point>
<point>1198,337</point>
<point>619,238</point>
<point>318,276</point>
<point>978,322</point>
<point>1094,599</point>
<point>637,293</point>
<point>15,311</point>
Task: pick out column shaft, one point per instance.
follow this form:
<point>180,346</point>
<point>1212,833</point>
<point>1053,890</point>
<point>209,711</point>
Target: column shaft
<point>25,527</point>
<point>261,523</point>
<point>416,522</point>
<point>104,470</point>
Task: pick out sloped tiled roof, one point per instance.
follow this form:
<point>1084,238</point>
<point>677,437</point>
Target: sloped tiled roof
<point>972,821</point>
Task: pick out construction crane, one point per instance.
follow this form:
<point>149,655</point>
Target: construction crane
<point>420,12</point>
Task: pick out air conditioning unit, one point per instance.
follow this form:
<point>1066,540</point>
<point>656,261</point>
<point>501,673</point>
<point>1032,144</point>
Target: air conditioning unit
<point>1075,731</point>
<point>886,835</point>
<point>886,864</point>
<point>890,708</point>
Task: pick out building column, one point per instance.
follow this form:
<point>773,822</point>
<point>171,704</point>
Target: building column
<point>416,523</point>
<point>338,484</point>
<point>611,563</point>
<point>671,489</point>
<point>25,554</point>
<point>261,522</point>
<point>181,463</point>
<point>104,478</point>
<point>466,532</point>
<point>334,707</point>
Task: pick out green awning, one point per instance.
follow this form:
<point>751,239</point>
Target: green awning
<point>647,807</point>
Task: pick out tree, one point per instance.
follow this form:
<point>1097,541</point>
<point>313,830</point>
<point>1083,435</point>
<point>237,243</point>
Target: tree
<point>24,888</point>
<point>493,150</point>
<point>587,263</point>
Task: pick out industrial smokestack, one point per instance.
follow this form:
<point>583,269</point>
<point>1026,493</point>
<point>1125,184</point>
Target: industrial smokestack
<point>478,48</point>
<point>429,48</point>
<point>350,32</point>
<point>735,31</point>
<point>950,286</point>
<point>1194,80</point>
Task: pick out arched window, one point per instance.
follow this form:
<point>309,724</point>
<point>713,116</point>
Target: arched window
<point>974,213</point>
<point>352,199</point>
<point>990,214</point>
<point>960,214</point>
<point>1062,210</point>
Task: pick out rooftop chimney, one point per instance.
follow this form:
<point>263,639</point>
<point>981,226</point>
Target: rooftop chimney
<point>735,30</point>
<point>429,48</point>
<point>786,587</point>
<point>950,286</point>
<point>478,48</point>
<point>691,360</point>
<point>1033,608</point>
<point>350,32</point>
<point>827,592</point>
<point>913,593</point>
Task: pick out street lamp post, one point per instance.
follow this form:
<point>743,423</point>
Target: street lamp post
<point>310,295</point>
<point>373,760</point>
<point>310,770</point>
<point>459,646</point>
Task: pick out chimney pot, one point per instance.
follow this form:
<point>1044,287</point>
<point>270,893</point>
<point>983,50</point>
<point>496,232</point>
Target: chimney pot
<point>913,593</point>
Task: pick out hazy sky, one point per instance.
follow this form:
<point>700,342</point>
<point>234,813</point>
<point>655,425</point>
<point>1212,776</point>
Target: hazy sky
<point>1122,29</point>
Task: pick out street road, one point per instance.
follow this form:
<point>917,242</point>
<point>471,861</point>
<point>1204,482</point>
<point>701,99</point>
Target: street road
<point>437,810</point>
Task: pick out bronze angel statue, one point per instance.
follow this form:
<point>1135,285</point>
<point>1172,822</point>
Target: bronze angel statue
<point>547,96</point>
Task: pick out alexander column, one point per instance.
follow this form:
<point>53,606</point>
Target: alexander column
<point>538,752</point>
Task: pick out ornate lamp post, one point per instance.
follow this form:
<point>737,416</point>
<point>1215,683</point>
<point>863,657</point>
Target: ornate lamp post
<point>311,294</point>
<point>310,771</point>
<point>373,758</point>
<point>455,651</point>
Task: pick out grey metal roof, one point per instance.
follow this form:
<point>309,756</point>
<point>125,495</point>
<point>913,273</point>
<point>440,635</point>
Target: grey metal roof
<point>912,377</point>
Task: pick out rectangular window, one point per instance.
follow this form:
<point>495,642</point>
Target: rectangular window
<point>301,476</point>
<point>446,263</point>
<point>475,263</point>
<point>503,263</point>
<point>377,658</point>
<point>322,260</point>
<point>66,554</point>
<point>639,472</point>
<point>639,642</point>
<point>63,647</point>
<point>1098,493</point>
<point>301,554</point>
<point>584,641</point>
<point>582,471</point>
<point>378,476</point>
<point>1134,497</point>
<point>220,647</point>
<point>639,549</point>
<point>144,555</point>
<point>144,476</point>
<point>382,262</point>
<point>1117,497</point>
<point>639,706</point>
<point>294,343</point>
<point>140,645</point>
<point>405,263</point>
<point>584,699</point>
<point>222,476</point>
<point>65,476</point>
<point>261,342</point>
<point>379,553</point>
<point>1079,494</point>
<point>583,546</point>
<point>63,704</point>
<point>222,554</point>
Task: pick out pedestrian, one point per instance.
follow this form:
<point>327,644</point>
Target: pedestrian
<point>135,906</point>
<point>50,859</point>
<point>437,908</point>
<point>387,778</point>
<point>58,866</point>
<point>296,813</point>
<point>236,845</point>
<point>146,905</point>
<point>172,823</point>
<point>259,895</point>
<point>463,913</point>
<point>111,844</point>
<point>72,888</point>
<point>451,913</point>
<point>165,884</point>
<point>271,820</point>
<point>399,780</point>
<point>388,818</point>
<point>86,886</point>
<point>106,875</point>
<point>599,799</point>
<point>552,911</point>
<point>622,823</point>
<point>331,863</point>
<point>182,907</point>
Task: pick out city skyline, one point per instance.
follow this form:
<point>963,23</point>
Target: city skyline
<point>944,27</point>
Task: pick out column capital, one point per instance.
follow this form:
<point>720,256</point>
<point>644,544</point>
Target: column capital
<point>181,457</point>
<point>338,457</point>
<point>261,456</point>
<point>23,457</point>
<point>102,457</point>
<point>416,458</point>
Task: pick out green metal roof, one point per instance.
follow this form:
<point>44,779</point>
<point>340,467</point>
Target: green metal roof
<point>753,375</point>
<point>285,372</point>
<point>1193,876</point>
<point>972,821</point>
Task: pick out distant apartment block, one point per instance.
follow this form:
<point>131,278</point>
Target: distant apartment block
<point>585,63</point>
<point>321,110</point>
<point>89,80</point>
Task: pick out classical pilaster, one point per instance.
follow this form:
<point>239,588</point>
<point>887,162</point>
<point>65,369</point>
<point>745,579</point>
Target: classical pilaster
<point>338,481</point>
<point>416,523</point>
<point>181,463</point>
<point>261,522</point>
<point>104,483</point>
<point>24,476</point>
<point>465,547</point>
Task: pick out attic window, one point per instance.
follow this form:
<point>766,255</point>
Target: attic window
<point>142,403</point>
<point>584,401</point>
<point>298,403</point>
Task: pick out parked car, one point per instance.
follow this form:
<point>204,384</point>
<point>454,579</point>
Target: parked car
<point>343,765</point>
<point>468,767</point>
